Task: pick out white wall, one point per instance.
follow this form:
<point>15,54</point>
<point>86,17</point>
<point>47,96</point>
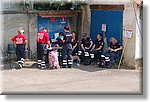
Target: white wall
<point>129,23</point>
<point>109,1</point>
<point>139,35</point>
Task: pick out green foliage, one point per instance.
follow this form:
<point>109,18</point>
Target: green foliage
<point>23,5</point>
<point>52,6</point>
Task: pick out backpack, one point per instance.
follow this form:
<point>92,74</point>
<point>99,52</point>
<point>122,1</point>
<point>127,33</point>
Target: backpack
<point>87,62</point>
<point>53,59</point>
<point>105,61</point>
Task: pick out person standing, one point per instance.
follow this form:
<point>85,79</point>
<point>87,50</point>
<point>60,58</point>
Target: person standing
<point>20,43</point>
<point>42,42</point>
<point>67,48</point>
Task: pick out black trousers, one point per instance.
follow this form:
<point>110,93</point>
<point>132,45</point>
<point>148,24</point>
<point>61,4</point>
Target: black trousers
<point>20,51</point>
<point>67,52</point>
<point>97,55</point>
<point>75,51</point>
<point>41,51</point>
<point>67,55</point>
<point>83,57</point>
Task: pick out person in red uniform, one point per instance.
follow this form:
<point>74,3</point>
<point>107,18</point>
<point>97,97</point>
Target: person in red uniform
<point>42,42</point>
<point>20,43</point>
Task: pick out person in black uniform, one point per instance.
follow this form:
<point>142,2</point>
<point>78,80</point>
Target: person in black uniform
<point>74,43</point>
<point>59,40</point>
<point>115,50</point>
<point>86,44</point>
<point>67,48</point>
<point>98,48</point>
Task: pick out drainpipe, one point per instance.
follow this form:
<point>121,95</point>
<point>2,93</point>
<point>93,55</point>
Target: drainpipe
<point>82,21</point>
<point>28,30</point>
<point>85,18</point>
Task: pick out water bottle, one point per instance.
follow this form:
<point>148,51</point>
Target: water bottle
<point>78,64</point>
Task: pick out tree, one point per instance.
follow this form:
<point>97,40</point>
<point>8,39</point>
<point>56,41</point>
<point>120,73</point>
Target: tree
<point>51,5</point>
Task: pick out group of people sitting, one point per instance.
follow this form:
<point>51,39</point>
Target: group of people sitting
<point>97,47</point>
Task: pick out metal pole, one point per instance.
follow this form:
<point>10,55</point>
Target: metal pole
<point>28,18</point>
<point>105,41</point>
<point>24,2</point>
<point>32,4</point>
<point>122,54</point>
<point>28,31</point>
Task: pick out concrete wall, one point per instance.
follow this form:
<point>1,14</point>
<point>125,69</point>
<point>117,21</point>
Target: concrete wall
<point>8,5</point>
<point>86,19</point>
<point>133,51</point>
<point>12,22</point>
<point>33,32</point>
<point>139,39</point>
<point>112,1</point>
<point>129,22</point>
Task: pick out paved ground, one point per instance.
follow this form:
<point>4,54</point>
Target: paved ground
<point>83,79</point>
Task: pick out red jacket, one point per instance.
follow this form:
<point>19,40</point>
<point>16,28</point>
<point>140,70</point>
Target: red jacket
<point>42,37</point>
<point>19,39</point>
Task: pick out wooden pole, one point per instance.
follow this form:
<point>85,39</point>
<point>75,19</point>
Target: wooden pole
<point>122,53</point>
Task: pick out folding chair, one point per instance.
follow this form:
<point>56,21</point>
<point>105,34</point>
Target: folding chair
<point>4,57</point>
<point>11,53</point>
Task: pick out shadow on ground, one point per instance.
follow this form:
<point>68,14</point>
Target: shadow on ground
<point>33,65</point>
<point>89,68</point>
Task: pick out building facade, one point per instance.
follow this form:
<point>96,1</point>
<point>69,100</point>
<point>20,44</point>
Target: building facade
<point>120,17</point>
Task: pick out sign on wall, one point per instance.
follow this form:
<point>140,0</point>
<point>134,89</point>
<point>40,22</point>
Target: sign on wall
<point>52,19</point>
<point>128,33</point>
<point>104,27</point>
<point>63,19</point>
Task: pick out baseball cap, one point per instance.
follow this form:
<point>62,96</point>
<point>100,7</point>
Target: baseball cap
<point>56,46</point>
<point>21,31</point>
<point>84,34</point>
<point>67,27</point>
